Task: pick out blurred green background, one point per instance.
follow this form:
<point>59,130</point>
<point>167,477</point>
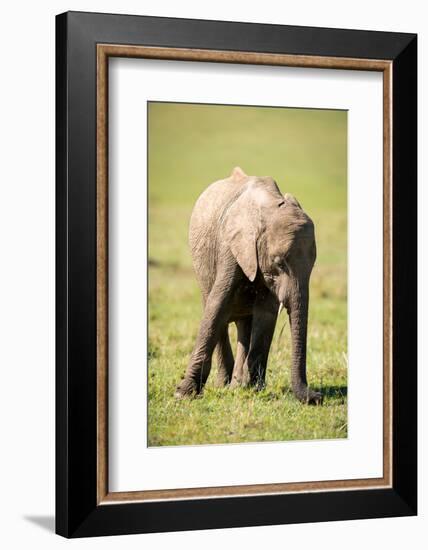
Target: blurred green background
<point>305,151</point>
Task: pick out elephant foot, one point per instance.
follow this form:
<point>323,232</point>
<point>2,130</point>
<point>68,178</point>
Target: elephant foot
<point>235,383</point>
<point>187,389</point>
<point>240,378</point>
<point>308,396</point>
<point>259,385</point>
<point>239,382</point>
<point>222,380</point>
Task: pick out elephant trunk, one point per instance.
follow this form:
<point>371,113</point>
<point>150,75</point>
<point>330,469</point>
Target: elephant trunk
<point>298,315</point>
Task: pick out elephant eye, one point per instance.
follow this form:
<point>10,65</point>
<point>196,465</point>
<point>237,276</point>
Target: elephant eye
<point>280,263</point>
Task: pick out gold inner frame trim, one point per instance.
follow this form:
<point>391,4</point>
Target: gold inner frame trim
<point>104,51</point>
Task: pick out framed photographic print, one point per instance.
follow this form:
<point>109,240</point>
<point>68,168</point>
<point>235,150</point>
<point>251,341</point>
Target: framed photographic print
<point>236,274</point>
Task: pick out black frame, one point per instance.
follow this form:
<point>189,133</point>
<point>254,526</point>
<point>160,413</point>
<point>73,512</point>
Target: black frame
<point>77,513</point>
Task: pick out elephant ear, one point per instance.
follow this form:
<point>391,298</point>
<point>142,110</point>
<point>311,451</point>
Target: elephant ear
<point>240,233</point>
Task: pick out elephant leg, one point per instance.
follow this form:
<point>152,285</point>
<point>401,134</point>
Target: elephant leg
<point>263,327</point>
<point>213,325</point>
<point>240,376</point>
<point>225,359</point>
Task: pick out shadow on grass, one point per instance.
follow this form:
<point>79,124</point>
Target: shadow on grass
<point>336,393</point>
<point>333,391</point>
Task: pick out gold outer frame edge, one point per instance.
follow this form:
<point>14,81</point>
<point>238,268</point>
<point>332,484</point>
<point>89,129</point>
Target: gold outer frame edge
<point>104,51</point>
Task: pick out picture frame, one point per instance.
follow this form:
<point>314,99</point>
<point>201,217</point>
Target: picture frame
<point>84,44</point>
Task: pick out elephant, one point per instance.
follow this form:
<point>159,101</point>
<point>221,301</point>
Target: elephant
<point>253,250</point>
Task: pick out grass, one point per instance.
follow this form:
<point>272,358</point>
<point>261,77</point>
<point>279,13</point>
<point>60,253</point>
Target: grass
<point>305,151</point>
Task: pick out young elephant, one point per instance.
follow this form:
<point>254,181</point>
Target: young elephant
<point>253,250</point>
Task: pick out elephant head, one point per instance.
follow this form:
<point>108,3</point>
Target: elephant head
<point>273,240</point>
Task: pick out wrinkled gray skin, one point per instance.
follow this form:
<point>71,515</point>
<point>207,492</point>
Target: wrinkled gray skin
<point>253,250</point>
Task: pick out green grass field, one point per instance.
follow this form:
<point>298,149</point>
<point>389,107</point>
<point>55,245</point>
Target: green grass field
<point>190,146</point>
